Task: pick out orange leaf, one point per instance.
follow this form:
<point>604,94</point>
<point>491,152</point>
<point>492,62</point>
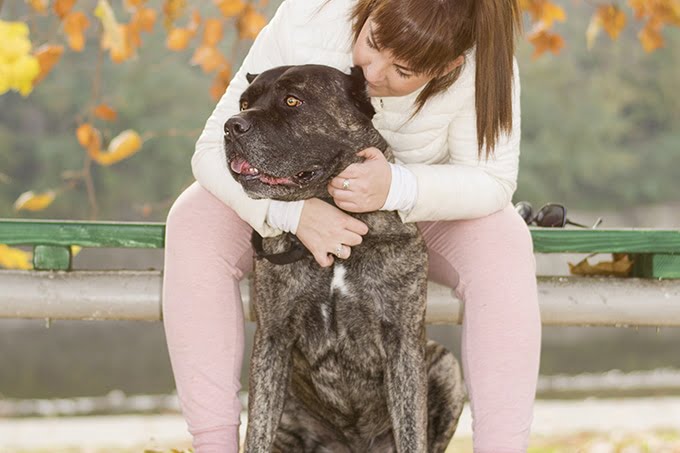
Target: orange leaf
<point>48,56</point>
<point>220,83</point>
<point>230,8</point>
<point>173,9</point>
<point>122,146</point>
<point>105,112</point>
<point>134,4</point>
<point>613,19</point>
<point>74,27</point>
<point>544,41</point>
<point>639,7</point>
<point>63,7</point>
<point>145,18</point>
<point>250,23</point>
<point>213,32</point>
<point>209,58</point>
<point>12,258</point>
<point>29,201</point>
<point>620,266</point>
<point>650,37</point>
<point>88,137</point>
<point>39,6</point>
<point>178,39</point>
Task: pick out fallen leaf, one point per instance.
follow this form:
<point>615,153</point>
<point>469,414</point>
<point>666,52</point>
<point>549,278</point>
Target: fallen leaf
<point>620,266</point>
<point>12,258</point>
<point>30,201</point>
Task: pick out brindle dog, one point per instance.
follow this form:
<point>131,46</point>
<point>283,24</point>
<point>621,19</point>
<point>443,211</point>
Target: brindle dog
<point>340,361</point>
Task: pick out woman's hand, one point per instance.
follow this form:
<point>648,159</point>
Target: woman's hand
<point>324,230</point>
<point>363,187</point>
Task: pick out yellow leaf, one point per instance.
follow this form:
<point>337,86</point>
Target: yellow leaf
<point>230,8</point>
<point>593,30</point>
<point>250,23</point>
<point>21,74</point>
<point>48,56</point>
<point>113,37</point>
<point>551,13</point>
<point>30,201</point>
<point>178,39</point>
<point>639,7</point>
<point>63,7</point>
<point>14,42</point>
<point>124,145</point>
<point>75,249</point>
<point>104,112</point>
<point>39,6</point>
<point>650,37</point>
<point>11,258</point>
<point>213,32</point>
<point>74,27</point>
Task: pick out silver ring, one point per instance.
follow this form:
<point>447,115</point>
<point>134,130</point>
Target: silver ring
<point>338,250</point>
<point>345,184</point>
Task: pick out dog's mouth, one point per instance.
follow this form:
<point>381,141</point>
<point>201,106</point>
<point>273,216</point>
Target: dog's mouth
<point>240,166</point>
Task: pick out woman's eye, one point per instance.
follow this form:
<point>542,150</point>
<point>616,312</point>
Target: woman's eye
<point>244,105</point>
<point>292,101</point>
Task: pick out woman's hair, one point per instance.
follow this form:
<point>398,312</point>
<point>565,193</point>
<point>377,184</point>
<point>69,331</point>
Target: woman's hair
<point>448,29</point>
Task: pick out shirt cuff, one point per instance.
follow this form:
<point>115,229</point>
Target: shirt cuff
<point>403,190</point>
<point>285,215</point>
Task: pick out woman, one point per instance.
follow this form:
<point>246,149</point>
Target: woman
<point>442,78</point>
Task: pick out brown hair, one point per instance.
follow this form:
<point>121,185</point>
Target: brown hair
<point>449,29</point>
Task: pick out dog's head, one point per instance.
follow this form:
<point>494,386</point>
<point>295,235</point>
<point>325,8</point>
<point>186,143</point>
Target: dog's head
<point>299,126</point>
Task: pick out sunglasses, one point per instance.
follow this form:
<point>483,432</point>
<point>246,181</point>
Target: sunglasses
<point>551,215</point>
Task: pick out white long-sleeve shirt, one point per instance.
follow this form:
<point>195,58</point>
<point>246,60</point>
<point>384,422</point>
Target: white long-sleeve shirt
<point>439,145</point>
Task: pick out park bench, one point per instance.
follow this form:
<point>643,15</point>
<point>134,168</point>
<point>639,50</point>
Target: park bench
<point>53,290</point>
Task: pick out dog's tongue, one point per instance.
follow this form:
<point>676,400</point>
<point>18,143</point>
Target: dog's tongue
<point>242,167</point>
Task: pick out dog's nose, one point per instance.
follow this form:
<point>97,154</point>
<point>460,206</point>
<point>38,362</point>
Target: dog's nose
<point>237,126</point>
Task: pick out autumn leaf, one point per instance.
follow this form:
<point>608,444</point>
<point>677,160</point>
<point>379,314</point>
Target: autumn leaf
<point>178,39</point>
<point>173,10</point>
<point>544,41</point>
<point>104,112</point>
<point>63,7</point>
<point>39,6</point>
<point>121,147</point>
<point>75,25</point>
<point>134,4</point>
<point>613,20</point>
<point>551,13</point>
<point>113,37</point>
<point>250,23</point>
<point>650,37</point>
<point>620,266</point>
<point>209,58</point>
<point>89,137</point>
<point>212,33</point>
<point>48,55</point>
<point>220,83</point>
<point>230,8</point>
<point>144,18</point>
<point>30,201</point>
<point>12,258</point>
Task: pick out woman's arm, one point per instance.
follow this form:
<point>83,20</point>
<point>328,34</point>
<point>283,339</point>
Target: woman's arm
<point>209,161</point>
<point>469,187</point>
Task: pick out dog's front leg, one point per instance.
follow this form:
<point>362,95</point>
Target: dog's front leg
<point>406,381</point>
<point>269,377</point>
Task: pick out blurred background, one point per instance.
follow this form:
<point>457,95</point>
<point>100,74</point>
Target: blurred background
<point>600,134</point>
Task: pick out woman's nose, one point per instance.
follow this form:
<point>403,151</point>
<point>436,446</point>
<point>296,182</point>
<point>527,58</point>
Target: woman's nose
<point>374,73</point>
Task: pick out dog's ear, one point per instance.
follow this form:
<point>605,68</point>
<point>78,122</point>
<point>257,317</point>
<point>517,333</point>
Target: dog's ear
<point>358,93</point>
<point>250,77</point>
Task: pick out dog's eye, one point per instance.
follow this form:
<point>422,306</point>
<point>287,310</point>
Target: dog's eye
<point>292,101</point>
<point>244,105</point>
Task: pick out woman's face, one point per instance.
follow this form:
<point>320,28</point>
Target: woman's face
<point>385,75</point>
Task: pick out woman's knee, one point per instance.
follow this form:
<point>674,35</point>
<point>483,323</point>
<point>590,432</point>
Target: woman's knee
<point>200,227</point>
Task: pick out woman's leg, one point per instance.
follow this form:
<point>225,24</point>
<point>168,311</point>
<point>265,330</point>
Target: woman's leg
<point>490,263</point>
<point>207,251</point>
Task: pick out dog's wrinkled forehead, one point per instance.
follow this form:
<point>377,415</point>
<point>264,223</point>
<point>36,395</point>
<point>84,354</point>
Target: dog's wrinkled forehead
<point>318,82</point>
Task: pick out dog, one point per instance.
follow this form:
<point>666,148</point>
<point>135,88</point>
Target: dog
<point>340,361</point>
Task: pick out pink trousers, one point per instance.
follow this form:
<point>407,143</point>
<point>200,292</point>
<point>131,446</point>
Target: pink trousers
<point>488,261</point>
